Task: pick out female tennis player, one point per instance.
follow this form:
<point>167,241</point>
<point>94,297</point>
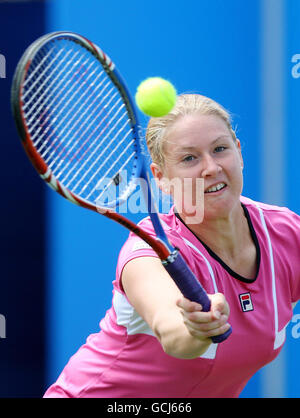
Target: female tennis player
<point>155,343</point>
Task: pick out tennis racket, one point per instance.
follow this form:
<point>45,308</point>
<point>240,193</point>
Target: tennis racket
<point>80,129</point>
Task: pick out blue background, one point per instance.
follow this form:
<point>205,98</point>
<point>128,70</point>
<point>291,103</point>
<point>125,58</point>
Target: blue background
<point>58,261</point>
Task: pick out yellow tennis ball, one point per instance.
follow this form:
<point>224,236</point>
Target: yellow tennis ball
<point>155,96</point>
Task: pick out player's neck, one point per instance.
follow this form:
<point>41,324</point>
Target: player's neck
<point>226,235</point>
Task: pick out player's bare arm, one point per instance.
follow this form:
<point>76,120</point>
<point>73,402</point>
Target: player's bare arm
<point>182,329</point>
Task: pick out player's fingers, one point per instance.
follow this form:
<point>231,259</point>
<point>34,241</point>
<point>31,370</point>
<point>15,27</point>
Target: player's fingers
<point>193,311</point>
<point>188,305</point>
<point>208,334</point>
<point>199,317</point>
<point>205,326</point>
<point>219,305</point>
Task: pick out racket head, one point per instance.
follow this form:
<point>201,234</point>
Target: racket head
<point>77,121</point>
<point>79,127</point>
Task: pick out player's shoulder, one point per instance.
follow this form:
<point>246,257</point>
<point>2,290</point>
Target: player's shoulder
<point>274,213</point>
<point>168,221</point>
<point>250,203</point>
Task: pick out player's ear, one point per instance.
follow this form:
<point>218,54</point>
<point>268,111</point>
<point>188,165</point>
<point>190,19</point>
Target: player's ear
<point>159,177</point>
<point>238,144</point>
<point>157,172</point>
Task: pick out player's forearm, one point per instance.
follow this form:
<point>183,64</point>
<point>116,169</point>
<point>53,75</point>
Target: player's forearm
<point>178,342</point>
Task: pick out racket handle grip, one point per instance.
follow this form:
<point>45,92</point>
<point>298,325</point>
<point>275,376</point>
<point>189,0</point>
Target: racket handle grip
<point>190,287</point>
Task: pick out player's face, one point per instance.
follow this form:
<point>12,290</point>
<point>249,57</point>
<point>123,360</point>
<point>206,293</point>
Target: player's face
<point>201,147</point>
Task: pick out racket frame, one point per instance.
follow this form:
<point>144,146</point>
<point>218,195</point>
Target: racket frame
<point>161,244</point>
<point>170,256</point>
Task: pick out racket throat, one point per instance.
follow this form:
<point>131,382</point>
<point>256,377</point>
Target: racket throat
<point>171,258</point>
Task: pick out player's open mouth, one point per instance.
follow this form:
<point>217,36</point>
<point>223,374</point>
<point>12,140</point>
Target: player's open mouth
<point>215,188</point>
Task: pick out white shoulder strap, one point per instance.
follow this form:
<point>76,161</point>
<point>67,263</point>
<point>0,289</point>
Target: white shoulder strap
<point>166,227</point>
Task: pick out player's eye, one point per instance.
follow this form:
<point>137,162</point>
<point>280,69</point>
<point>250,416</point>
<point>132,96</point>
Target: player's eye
<point>221,148</point>
<point>188,158</point>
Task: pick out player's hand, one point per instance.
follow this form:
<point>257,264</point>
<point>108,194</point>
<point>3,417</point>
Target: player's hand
<point>204,325</point>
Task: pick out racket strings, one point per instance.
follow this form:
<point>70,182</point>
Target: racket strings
<point>74,120</point>
<point>56,101</point>
<point>44,82</point>
<point>98,147</point>
<point>111,168</point>
<point>105,187</point>
<point>84,121</point>
<point>78,122</point>
<point>39,73</point>
<point>66,116</point>
<point>41,110</point>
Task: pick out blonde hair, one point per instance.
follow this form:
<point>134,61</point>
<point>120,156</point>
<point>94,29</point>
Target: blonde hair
<point>186,104</point>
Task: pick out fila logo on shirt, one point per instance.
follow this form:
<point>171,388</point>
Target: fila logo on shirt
<point>246,302</point>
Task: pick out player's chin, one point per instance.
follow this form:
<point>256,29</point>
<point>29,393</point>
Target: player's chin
<point>220,206</point>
